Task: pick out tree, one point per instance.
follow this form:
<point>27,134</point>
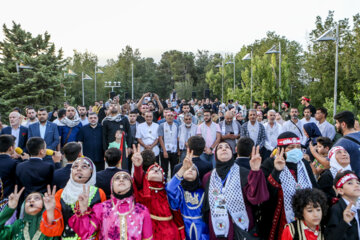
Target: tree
<point>37,82</point>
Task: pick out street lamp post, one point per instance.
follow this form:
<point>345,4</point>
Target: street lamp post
<point>222,80</point>
<point>271,51</point>
<point>249,56</point>
<point>328,36</point>
<point>97,71</point>
<point>232,62</point>
<point>113,85</point>
<point>132,80</point>
<point>84,77</point>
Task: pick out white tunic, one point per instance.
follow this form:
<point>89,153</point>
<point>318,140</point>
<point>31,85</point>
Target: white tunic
<point>148,134</point>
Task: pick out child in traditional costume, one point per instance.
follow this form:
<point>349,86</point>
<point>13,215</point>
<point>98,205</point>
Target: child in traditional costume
<point>83,172</point>
<point>115,219</point>
<point>150,191</point>
<point>230,193</point>
<point>344,216</point>
<point>28,227</point>
<point>309,207</point>
<point>185,193</point>
<point>284,174</point>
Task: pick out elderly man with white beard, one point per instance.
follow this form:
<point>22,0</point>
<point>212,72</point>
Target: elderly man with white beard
<point>186,130</point>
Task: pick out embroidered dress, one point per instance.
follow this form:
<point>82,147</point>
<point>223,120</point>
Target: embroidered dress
<point>153,196</point>
<point>190,205</point>
<point>29,227</point>
<point>114,219</point>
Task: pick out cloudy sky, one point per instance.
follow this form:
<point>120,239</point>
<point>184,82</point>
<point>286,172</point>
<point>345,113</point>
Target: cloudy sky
<point>155,26</point>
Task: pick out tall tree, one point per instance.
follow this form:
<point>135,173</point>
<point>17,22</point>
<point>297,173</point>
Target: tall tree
<point>37,79</point>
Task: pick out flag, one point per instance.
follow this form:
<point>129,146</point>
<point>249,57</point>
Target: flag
<point>99,71</point>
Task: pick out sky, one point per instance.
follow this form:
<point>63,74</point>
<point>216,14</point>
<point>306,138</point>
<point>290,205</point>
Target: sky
<point>155,26</point>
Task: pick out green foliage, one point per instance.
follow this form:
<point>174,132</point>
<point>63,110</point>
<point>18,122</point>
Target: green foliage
<point>343,104</point>
<point>37,82</point>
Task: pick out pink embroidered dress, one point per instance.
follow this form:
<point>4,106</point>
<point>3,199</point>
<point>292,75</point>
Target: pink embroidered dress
<point>114,219</point>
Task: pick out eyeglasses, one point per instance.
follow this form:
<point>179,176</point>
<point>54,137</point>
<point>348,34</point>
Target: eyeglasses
<point>33,198</point>
<point>123,177</point>
<point>81,166</point>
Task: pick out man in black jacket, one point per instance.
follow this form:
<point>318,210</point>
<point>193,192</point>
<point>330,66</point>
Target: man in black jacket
<point>35,174</point>
<point>72,151</point>
<point>111,124</point>
<point>7,164</point>
<point>103,178</point>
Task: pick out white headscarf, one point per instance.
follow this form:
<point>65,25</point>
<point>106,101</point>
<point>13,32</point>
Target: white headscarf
<point>73,189</point>
<point>335,167</point>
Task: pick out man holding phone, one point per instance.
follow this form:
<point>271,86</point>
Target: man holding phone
<point>230,130</point>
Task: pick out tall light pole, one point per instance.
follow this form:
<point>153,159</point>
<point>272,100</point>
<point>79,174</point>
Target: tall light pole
<point>97,71</point>
<point>222,79</point>
<point>328,36</point>
<point>132,80</point>
<point>247,57</point>
<point>232,62</point>
<point>84,77</point>
<point>271,51</point>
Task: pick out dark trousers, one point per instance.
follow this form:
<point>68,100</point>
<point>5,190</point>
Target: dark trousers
<point>173,159</point>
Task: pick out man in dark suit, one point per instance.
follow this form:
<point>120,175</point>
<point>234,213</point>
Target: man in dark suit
<point>103,178</point>
<point>7,164</point>
<point>47,131</point>
<point>35,174</point>
<point>19,132</point>
<point>72,151</point>
<point>244,149</point>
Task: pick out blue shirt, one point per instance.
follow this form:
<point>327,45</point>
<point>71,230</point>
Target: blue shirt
<point>353,149</point>
<point>64,130</point>
<point>92,142</point>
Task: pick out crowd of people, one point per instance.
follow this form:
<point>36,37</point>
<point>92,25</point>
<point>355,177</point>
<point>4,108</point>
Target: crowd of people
<point>177,169</point>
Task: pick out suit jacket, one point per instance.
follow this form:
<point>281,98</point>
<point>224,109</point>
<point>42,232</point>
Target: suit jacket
<point>62,176</point>
<point>34,175</point>
<point>103,180</point>
<point>7,173</point>
<point>22,138</point>
<point>337,228</point>
<point>51,134</point>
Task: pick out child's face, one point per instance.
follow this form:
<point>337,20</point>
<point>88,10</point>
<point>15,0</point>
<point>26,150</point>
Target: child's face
<point>122,183</point>
<point>118,134</point>
<point>33,204</point>
<point>321,149</point>
<point>81,171</point>
<point>190,174</point>
<point>350,189</point>
<point>155,174</point>
<point>342,157</point>
<point>312,215</point>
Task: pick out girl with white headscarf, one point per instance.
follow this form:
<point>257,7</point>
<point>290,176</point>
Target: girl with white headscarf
<point>83,172</point>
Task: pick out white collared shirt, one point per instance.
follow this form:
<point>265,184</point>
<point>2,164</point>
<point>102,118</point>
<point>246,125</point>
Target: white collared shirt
<point>42,129</point>
<point>326,129</point>
<point>16,134</point>
<point>288,126</point>
<point>148,134</point>
<point>253,131</point>
<point>272,134</point>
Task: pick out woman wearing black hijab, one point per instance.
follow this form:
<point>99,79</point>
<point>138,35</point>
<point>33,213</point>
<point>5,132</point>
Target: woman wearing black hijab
<point>230,193</point>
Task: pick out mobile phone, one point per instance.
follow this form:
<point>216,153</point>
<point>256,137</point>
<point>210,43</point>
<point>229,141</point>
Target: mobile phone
<point>231,132</point>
